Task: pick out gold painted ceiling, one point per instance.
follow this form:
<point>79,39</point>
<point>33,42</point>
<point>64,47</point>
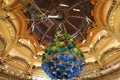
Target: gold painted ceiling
<point>95,24</point>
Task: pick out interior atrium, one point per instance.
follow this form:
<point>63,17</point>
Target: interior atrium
<point>28,27</point>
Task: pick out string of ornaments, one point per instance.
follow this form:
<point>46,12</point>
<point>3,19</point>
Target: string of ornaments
<point>62,59</point>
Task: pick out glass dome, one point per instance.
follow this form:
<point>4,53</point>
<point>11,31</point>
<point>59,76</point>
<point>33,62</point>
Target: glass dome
<point>74,15</point>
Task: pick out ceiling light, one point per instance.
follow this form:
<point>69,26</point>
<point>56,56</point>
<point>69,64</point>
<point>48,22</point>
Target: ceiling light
<point>35,57</point>
<point>94,71</point>
<point>53,16</point>
<point>20,72</point>
<point>77,10</point>
<point>88,20</point>
<point>42,46</point>
<point>63,5</point>
<point>91,46</point>
<point>29,42</point>
<point>12,72</point>
<point>92,59</point>
<point>91,34</point>
<point>83,41</point>
<point>99,37</point>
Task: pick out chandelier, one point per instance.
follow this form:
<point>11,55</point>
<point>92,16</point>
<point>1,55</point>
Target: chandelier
<point>62,59</point>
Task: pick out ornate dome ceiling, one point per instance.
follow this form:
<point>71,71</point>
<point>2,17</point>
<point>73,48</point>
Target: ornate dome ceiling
<point>27,26</point>
<point>74,15</point>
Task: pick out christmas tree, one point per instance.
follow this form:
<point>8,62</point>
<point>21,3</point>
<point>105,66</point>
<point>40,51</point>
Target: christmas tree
<point>62,59</point>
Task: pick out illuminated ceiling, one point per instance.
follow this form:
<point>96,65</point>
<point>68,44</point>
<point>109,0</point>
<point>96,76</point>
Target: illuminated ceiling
<point>27,27</point>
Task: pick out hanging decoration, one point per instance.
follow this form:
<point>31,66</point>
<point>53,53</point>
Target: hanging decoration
<point>62,59</point>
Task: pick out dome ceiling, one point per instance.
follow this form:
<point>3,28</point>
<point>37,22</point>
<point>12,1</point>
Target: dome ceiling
<point>74,15</point>
<point>26,25</point>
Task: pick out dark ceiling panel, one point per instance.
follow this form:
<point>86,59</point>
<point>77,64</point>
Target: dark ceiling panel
<point>75,15</point>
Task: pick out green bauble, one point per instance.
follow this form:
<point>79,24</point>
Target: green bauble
<point>52,44</point>
<point>51,52</point>
<point>57,42</point>
<point>50,48</point>
<point>71,40</point>
<point>75,50</point>
<point>67,36</point>
<point>60,47</point>
<point>83,56</point>
<point>60,39</point>
<point>55,39</point>
<point>57,48</point>
<point>70,51</point>
<point>46,50</point>
<point>80,51</point>
<point>43,57</point>
<point>73,44</point>
<point>78,54</point>
<point>65,49</point>
<point>68,43</point>
<point>54,48</point>
<point>60,50</point>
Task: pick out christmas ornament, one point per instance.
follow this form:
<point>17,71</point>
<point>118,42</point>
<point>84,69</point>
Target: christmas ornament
<point>62,59</point>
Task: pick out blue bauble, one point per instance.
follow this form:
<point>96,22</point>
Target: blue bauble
<point>63,66</point>
<point>61,57</point>
<point>58,65</point>
<point>55,59</point>
<point>69,46</point>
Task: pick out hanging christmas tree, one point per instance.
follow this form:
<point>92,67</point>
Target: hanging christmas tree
<point>62,59</point>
